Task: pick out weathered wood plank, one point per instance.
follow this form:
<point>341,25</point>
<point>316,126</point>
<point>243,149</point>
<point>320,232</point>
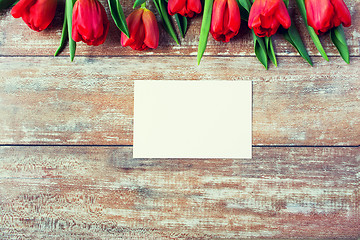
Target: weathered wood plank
<point>102,193</point>
<point>91,101</point>
<point>17,39</point>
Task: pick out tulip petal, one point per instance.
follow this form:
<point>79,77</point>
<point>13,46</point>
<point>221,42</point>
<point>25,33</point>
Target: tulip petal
<point>75,35</point>
<point>194,6</point>
<point>217,19</point>
<point>282,15</point>
<point>341,12</point>
<point>106,25</point>
<point>266,21</point>
<point>151,29</point>
<point>234,16</point>
<point>225,21</point>
<point>255,12</point>
<point>37,14</point>
<point>89,22</point>
<point>186,8</point>
<point>175,6</point>
<point>133,21</point>
<point>273,28</point>
<point>185,13</point>
<point>42,12</point>
<point>100,25</point>
<point>319,14</point>
<point>125,41</point>
<point>138,44</point>
<point>21,7</point>
<point>266,16</point>
<point>97,26</point>
<point>75,32</point>
<point>269,7</point>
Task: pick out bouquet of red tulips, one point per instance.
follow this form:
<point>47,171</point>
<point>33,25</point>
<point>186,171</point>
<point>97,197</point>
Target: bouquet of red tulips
<point>264,17</point>
<point>86,21</point>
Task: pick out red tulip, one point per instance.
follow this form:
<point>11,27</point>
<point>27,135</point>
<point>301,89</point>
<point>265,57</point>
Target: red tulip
<point>323,15</point>
<point>187,8</point>
<point>225,21</point>
<point>89,22</point>
<point>143,29</point>
<point>267,15</point>
<point>37,14</point>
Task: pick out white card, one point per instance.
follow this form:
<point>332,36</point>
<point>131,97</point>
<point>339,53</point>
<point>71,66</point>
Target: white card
<point>192,119</point>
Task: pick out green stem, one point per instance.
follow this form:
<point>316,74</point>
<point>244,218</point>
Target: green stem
<point>205,27</point>
<point>68,13</point>
<point>143,5</point>
<point>64,36</point>
<point>313,35</point>
<point>162,10</point>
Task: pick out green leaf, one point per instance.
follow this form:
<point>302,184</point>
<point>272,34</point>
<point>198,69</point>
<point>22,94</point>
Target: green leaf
<point>138,3</point>
<point>246,4</point>
<point>317,42</point>
<point>337,36</point>
<point>339,32</point>
<point>14,3</point>
<point>301,5</point>
<point>205,28</point>
<point>260,50</point>
<point>68,14</point>
<point>161,6</point>
<point>158,8</point>
<point>270,50</point>
<point>64,36</point>
<point>7,3</point>
<point>243,12</point>
<point>122,17</point>
<point>292,36</point>
<point>286,2</point>
<point>118,16</point>
<point>313,35</point>
<point>244,7</point>
<point>182,24</point>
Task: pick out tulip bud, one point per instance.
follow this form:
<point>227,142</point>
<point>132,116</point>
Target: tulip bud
<point>186,8</point>
<point>323,15</point>
<point>225,21</point>
<point>143,29</point>
<point>266,16</point>
<point>37,14</point>
<point>89,22</point>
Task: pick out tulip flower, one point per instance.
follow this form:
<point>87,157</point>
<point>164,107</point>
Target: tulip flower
<point>266,16</point>
<point>186,8</point>
<point>37,14</point>
<point>89,22</point>
<point>323,15</point>
<point>143,29</point>
<point>225,21</point>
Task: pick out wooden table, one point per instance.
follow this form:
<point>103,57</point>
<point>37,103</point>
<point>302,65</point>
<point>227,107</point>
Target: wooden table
<point>66,167</point>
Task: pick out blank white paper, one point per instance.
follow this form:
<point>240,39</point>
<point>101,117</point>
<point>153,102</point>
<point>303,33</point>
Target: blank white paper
<point>192,119</point>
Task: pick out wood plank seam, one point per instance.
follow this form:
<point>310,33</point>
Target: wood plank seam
<point>115,145</point>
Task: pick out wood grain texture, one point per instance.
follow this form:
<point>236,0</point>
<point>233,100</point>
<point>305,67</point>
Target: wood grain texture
<point>14,31</point>
<point>91,101</point>
<point>102,193</point>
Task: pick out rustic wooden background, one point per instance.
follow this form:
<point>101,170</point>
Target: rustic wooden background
<point>66,167</point>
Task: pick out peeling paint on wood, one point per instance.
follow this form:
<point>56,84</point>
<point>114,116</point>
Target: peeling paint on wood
<point>102,192</point>
<point>91,102</point>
